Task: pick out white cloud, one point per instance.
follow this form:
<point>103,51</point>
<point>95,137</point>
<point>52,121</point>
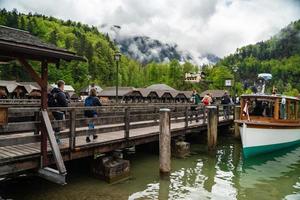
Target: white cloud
<point>199,26</point>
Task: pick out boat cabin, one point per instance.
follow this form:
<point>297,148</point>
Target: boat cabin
<point>269,108</point>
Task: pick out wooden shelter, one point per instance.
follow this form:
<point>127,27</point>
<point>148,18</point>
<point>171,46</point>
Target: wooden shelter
<point>85,91</point>
<point>156,87</point>
<point>22,46</point>
<point>109,93</point>
<point>148,95</point>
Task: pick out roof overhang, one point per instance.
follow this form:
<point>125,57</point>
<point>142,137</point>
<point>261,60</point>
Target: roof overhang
<point>11,50</point>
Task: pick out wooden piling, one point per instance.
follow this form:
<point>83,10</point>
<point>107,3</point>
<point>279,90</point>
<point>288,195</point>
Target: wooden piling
<point>127,122</point>
<point>72,139</point>
<point>212,127</point>
<point>165,142</point>
<point>237,111</point>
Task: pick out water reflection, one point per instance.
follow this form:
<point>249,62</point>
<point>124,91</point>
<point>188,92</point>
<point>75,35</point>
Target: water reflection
<point>227,176</point>
<point>223,175</point>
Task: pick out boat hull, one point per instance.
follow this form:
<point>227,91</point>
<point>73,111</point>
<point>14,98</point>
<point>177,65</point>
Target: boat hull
<point>263,140</point>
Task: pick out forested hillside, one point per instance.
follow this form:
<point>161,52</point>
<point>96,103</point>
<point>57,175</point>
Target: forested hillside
<point>97,47</point>
<point>280,56</point>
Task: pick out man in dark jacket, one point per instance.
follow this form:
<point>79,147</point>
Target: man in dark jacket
<point>58,98</point>
<point>226,101</point>
<point>194,108</point>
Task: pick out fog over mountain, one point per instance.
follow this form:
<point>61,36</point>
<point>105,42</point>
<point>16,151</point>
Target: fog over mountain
<point>145,50</point>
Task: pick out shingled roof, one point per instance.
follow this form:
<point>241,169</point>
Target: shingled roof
<point>86,89</point>
<point>111,91</point>
<point>15,42</point>
<point>215,93</point>
<point>156,87</point>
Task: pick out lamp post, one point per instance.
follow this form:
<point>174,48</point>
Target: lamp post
<point>235,68</point>
<point>117,59</point>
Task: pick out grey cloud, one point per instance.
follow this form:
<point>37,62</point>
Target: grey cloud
<point>199,26</point>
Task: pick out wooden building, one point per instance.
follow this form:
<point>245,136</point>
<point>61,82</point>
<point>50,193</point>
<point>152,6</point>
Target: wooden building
<point>13,90</point>
<point>109,94</point>
<point>85,91</point>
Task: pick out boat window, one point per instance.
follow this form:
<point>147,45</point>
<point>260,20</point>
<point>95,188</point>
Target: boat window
<point>288,109</point>
<point>282,110</point>
<point>291,110</point>
<point>261,107</point>
<point>297,109</point>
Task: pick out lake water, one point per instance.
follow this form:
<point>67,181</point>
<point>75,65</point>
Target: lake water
<point>223,175</point>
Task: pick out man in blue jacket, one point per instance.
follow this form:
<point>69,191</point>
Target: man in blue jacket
<point>91,101</point>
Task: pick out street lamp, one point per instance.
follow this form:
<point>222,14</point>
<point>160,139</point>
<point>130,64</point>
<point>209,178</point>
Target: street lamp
<point>235,69</point>
<point>117,59</point>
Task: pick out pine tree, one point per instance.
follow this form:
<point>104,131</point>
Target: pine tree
<point>53,37</point>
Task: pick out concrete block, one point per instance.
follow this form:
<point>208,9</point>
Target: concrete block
<point>111,169</point>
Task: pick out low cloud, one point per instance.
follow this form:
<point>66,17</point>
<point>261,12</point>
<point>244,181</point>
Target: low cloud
<point>199,26</point>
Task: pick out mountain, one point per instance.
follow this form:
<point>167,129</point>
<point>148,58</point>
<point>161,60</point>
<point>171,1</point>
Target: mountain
<point>99,49</point>
<point>146,50</point>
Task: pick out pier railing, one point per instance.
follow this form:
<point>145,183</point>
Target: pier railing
<point>24,123</point>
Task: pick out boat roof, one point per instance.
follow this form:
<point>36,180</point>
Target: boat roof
<point>268,96</point>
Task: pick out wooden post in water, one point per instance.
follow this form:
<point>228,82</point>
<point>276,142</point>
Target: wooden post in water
<point>212,127</point>
<point>72,139</point>
<point>237,111</point>
<point>127,122</point>
<point>165,142</point>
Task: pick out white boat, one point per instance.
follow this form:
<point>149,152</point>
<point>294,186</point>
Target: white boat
<point>268,123</point>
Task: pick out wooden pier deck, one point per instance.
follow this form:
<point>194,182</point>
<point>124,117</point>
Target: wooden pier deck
<point>116,129</point>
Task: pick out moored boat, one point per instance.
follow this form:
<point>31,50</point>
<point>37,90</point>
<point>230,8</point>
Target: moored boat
<point>268,123</point>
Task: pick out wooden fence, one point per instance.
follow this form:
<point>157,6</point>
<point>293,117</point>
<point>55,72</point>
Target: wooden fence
<point>110,118</point>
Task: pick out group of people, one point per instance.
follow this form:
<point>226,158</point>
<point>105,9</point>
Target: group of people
<point>208,100</point>
<point>58,98</point>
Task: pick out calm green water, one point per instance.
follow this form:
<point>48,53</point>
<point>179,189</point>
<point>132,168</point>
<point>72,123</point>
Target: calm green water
<point>224,175</point>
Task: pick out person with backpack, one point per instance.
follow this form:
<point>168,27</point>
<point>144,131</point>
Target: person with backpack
<point>225,101</point>
<point>207,100</point>
<point>58,98</point>
<point>196,102</point>
<point>91,101</point>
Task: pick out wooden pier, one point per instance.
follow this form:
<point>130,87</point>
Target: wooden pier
<point>117,127</point>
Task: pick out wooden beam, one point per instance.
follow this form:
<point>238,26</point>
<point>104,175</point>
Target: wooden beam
<point>30,70</point>
<point>54,146</point>
<point>44,106</point>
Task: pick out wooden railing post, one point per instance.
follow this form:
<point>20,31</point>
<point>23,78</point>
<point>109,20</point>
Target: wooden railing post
<point>212,127</point>
<point>37,119</point>
<point>175,111</point>
<point>218,112</point>
<point>237,111</point>
<point>127,122</point>
<point>72,139</point>
<point>204,114</point>
<point>165,142</point>
<point>186,117</point>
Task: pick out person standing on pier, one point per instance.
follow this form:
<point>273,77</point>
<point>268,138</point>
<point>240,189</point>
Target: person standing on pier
<point>196,102</point>
<point>58,98</point>
<point>225,101</point>
<point>91,101</point>
<point>207,99</point>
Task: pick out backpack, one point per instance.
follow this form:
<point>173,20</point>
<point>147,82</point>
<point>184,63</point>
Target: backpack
<point>52,99</point>
<point>205,101</point>
<point>89,102</point>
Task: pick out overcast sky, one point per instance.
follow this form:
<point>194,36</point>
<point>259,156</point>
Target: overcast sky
<point>199,26</point>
